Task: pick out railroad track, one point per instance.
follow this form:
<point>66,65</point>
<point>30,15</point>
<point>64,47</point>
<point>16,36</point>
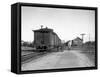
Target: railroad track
<point>31,56</point>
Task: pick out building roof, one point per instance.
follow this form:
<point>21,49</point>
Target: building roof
<point>78,38</point>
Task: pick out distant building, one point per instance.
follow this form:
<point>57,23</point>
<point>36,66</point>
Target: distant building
<point>77,42</point>
<point>45,37</point>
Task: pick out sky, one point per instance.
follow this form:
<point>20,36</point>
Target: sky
<point>67,23</point>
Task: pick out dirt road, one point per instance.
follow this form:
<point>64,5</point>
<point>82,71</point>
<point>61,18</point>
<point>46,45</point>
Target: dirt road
<point>66,59</point>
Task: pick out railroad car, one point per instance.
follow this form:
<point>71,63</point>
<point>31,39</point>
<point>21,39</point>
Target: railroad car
<point>45,39</point>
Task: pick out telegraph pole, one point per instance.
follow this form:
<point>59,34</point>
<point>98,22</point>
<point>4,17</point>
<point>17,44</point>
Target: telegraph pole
<point>89,37</point>
<point>82,37</point>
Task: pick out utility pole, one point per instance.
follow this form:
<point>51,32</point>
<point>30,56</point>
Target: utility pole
<point>89,37</point>
<point>82,37</point>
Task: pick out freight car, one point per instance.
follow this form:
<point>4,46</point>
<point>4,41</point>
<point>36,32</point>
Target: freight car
<point>46,39</point>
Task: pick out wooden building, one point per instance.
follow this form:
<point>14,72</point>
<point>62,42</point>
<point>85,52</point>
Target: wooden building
<point>77,42</point>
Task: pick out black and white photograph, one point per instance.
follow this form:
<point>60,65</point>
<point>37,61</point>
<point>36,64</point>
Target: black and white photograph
<point>56,38</point>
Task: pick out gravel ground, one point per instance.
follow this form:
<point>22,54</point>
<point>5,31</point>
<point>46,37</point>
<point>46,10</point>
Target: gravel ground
<point>56,60</point>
